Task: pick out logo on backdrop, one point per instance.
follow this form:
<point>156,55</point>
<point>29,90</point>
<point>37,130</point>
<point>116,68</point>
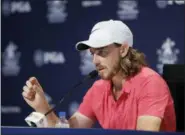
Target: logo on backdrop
<point>10,60</point>
<point>167,54</point>
<point>10,109</point>
<point>73,107</point>
<point>56,11</point>
<point>127,10</point>
<point>11,7</point>
<point>164,3</point>
<point>86,65</point>
<point>41,58</point>
<point>91,3</point>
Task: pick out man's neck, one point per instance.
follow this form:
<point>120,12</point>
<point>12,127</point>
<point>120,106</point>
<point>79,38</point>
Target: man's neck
<point>118,81</point>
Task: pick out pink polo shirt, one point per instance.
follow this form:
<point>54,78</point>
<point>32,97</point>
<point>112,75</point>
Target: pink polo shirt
<point>144,94</point>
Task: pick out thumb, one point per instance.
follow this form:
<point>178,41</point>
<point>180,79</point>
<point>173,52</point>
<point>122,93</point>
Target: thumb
<point>34,81</point>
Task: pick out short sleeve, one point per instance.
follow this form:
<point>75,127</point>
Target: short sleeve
<point>85,107</point>
<point>154,97</point>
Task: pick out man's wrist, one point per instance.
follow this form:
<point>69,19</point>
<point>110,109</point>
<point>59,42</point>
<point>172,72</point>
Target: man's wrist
<point>43,111</point>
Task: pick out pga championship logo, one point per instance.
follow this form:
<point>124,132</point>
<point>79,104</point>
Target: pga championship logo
<point>56,11</point>
<point>164,3</point>
<point>167,54</point>
<point>10,60</point>
<point>43,58</point>
<point>12,7</point>
<point>9,109</point>
<point>86,64</point>
<point>89,3</point>
<point>127,10</point>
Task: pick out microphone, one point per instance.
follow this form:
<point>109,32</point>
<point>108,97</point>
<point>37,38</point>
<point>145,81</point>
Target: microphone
<point>36,119</point>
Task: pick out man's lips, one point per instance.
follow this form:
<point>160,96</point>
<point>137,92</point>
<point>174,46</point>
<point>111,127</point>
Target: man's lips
<point>100,69</point>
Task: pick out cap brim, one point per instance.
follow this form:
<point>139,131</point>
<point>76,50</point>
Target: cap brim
<point>83,45</point>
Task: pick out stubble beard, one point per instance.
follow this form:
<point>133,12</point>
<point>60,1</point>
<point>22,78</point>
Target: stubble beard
<point>111,73</point>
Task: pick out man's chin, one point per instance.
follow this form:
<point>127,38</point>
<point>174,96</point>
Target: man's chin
<point>105,77</point>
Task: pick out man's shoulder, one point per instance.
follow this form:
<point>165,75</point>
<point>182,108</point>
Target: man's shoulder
<point>147,74</point>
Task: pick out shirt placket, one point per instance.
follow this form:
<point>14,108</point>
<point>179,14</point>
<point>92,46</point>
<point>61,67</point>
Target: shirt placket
<point>111,121</point>
<point>115,110</point>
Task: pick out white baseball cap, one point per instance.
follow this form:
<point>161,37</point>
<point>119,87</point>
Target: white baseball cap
<point>105,33</point>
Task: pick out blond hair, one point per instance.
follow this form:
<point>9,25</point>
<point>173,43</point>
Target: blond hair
<point>132,63</point>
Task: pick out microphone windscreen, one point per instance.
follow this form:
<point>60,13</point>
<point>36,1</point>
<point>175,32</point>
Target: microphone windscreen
<point>93,74</point>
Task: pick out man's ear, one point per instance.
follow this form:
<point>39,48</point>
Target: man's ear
<point>124,50</point>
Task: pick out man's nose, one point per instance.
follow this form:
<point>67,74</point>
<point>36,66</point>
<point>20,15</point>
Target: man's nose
<point>96,59</point>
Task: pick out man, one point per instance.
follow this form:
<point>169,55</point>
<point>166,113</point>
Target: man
<point>129,95</point>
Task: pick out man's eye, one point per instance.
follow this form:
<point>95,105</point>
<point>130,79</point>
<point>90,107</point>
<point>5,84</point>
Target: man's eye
<point>103,52</point>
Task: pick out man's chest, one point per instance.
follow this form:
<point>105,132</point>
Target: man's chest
<point>120,114</point>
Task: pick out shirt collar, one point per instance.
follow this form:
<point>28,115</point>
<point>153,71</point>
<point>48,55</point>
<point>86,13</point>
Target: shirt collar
<point>125,88</point>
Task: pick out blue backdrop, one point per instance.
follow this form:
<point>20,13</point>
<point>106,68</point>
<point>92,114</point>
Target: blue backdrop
<point>39,37</point>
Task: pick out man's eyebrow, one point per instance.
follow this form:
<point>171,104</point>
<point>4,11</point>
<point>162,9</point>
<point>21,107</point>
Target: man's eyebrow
<point>101,48</point>
<point>96,49</point>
